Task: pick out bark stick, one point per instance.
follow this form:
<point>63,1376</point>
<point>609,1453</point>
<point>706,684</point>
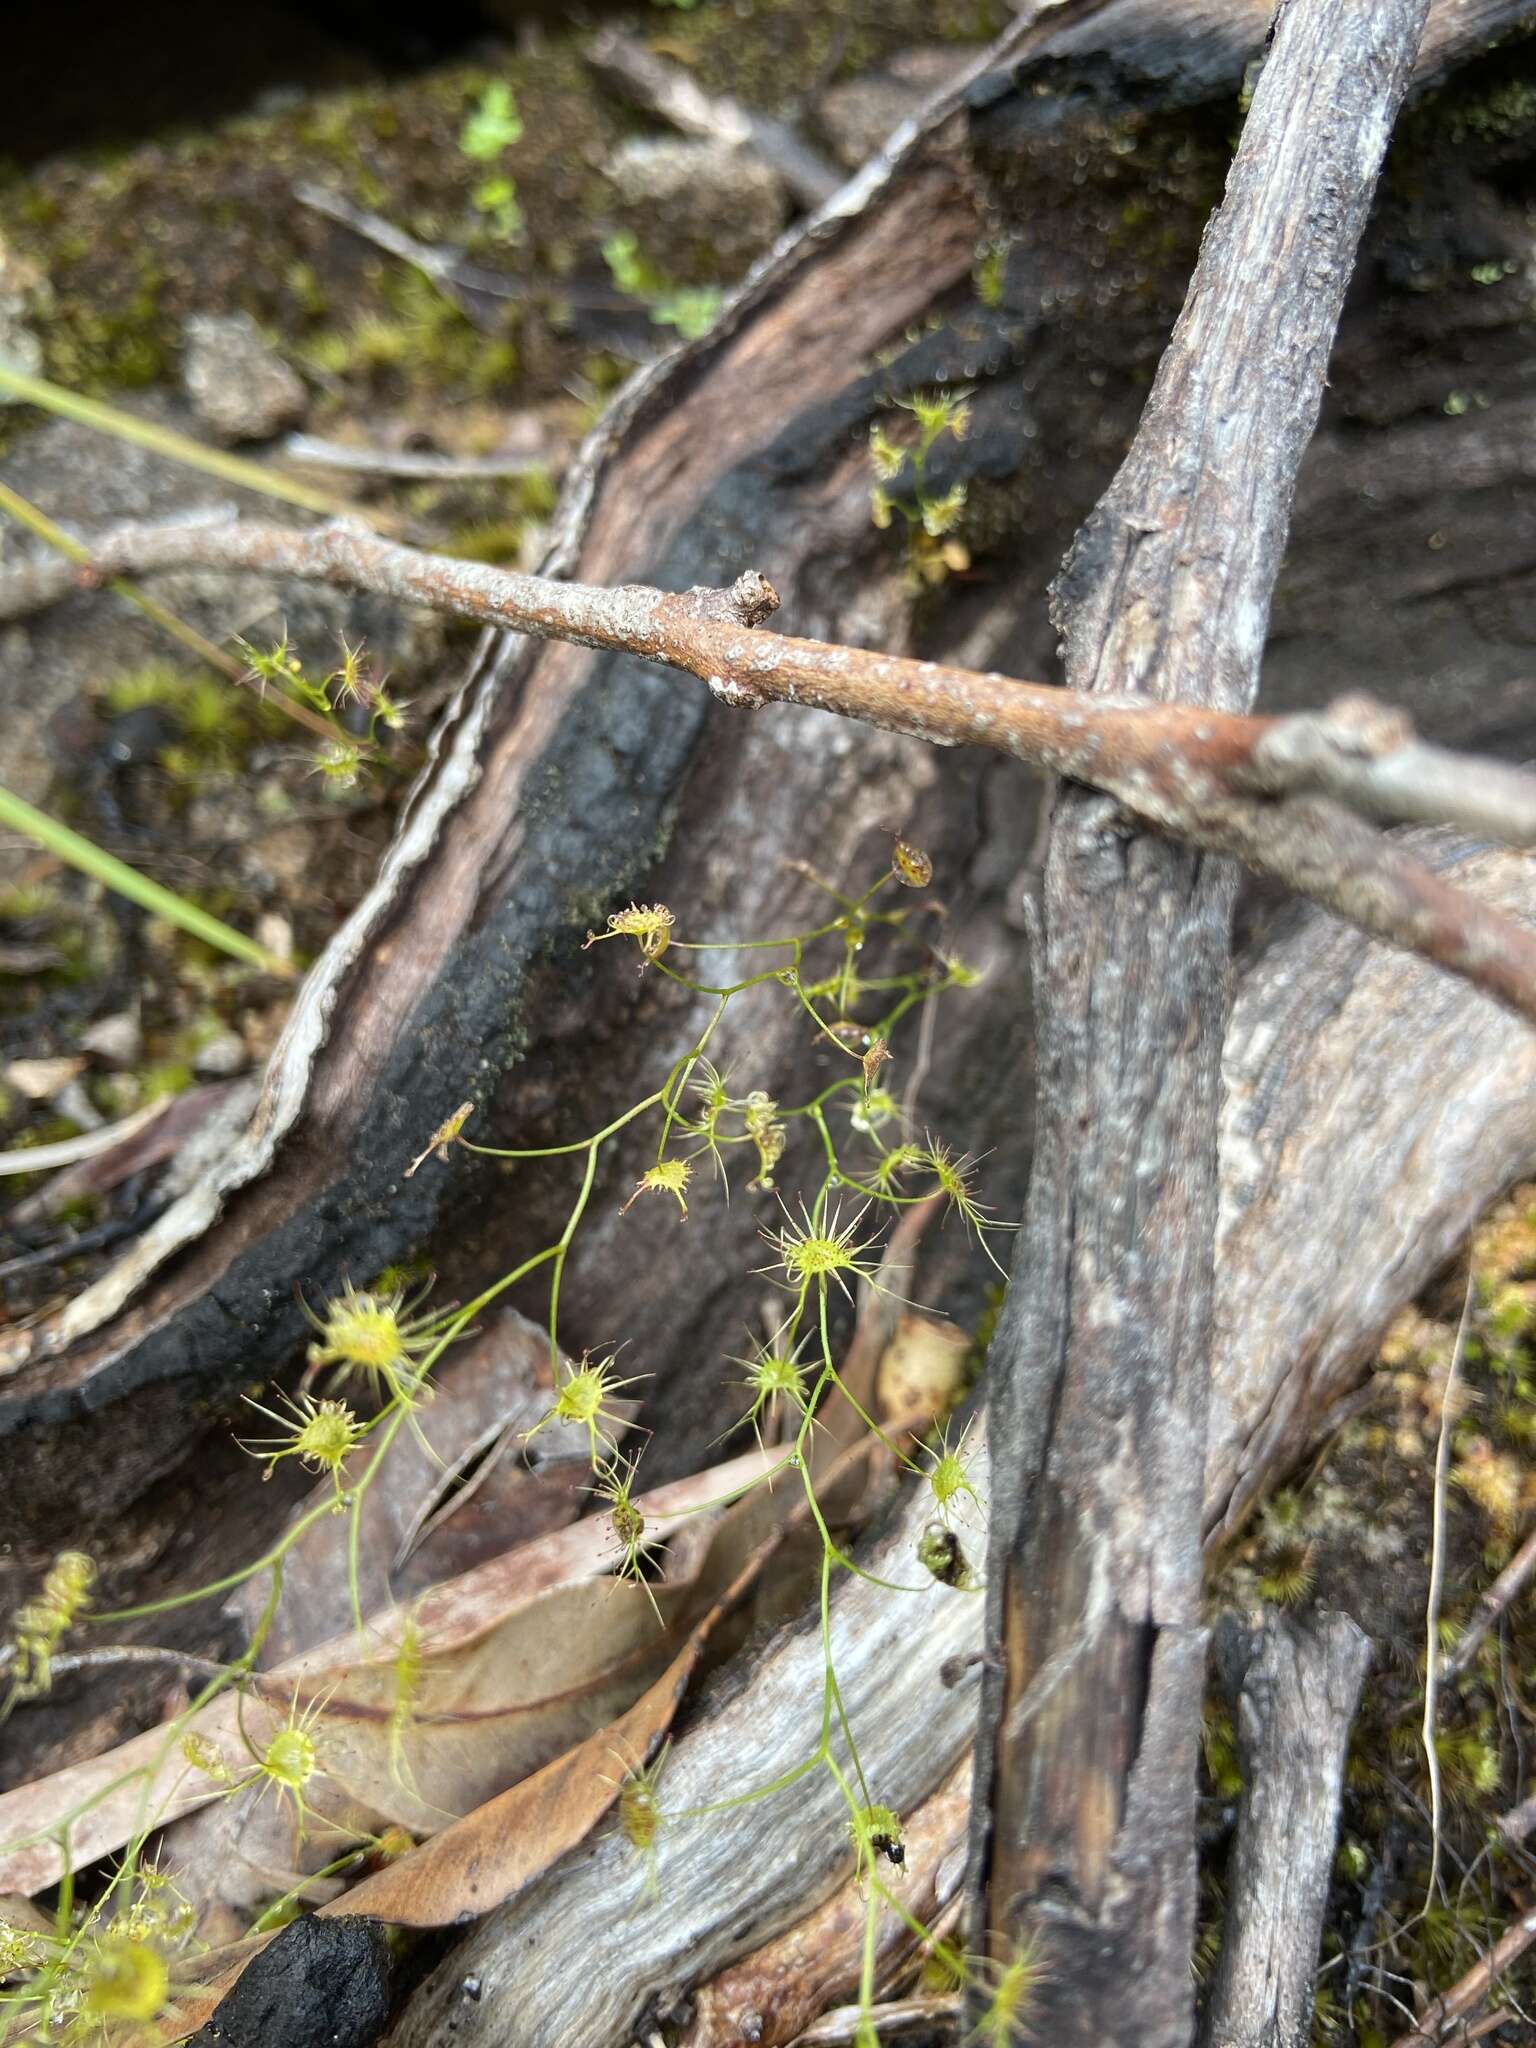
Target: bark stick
<point>1086,1753</point>
<point>1193,772</point>
<point>1294,1690</point>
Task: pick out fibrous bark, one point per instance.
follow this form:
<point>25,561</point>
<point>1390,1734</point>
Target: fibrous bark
<point>1100,1369</point>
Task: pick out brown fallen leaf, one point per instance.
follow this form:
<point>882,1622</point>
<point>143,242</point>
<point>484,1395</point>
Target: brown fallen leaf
<point>107,1800</point>
<point>480,1720</point>
<point>483,1860</point>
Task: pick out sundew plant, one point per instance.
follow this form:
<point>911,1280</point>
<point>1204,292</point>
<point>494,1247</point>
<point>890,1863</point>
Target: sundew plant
<point>107,1971</point>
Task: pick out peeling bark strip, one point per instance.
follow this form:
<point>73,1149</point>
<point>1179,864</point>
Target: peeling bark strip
<point>1086,1753</point>
<point>1294,1691</point>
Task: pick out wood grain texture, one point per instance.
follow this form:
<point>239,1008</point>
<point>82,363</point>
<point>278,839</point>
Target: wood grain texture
<point>1293,1691</point>
<point>1100,1367</point>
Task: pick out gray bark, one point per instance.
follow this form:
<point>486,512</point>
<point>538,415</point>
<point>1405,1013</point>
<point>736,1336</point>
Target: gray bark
<point>1294,1690</point>
<point>1100,1368</point>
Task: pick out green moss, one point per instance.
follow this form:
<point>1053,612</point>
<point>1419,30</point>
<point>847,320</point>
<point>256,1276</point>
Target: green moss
<point>763,52</point>
<point>164,1077</point>
<point>228,236</point>
<point>217,724</point>
<point>1506,112</point>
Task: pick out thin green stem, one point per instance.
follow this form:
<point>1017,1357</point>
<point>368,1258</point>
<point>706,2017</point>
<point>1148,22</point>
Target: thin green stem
<point>58,839</point>
<point>127,426</point>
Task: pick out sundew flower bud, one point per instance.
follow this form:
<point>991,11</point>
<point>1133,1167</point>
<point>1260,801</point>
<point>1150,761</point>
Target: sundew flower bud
<point>760,1114</point>
<point>206,1757</point>
<point>42,1623</point>
<point>666,1177</point>
<point>322,1435</point>
<point>649,925</point>
<point>445,1135</point>
<point>875,1057</point>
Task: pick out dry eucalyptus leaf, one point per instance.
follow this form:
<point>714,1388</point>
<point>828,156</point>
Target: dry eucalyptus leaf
<point>115,1796</point>
<point>922,1371</point>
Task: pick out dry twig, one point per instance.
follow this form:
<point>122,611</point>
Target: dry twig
<point>1470,1991</point>
<point>663,88</point>
<point>1278,794</point>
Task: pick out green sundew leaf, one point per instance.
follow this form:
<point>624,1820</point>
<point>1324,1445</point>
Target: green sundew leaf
<point>691,311</point>
<point>494,125</point>
<point>17,815</point>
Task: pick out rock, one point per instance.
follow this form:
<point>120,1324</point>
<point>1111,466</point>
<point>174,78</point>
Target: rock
<point>699,210</point>
<point>220,1057</point>
<point>39,1080</point>
<point>240,389</point>
<point>24,296</point>
<point>858,117</point>
<point>73,1102</point>
<point>117,1040</point>
<point>319,1981</point>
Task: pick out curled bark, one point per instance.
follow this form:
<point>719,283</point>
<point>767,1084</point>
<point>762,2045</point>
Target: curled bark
<point>1294,1690</point>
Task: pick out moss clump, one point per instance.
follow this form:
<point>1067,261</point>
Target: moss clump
<point>764,53</point>
<point>216,724</point>
<point>228,236</point>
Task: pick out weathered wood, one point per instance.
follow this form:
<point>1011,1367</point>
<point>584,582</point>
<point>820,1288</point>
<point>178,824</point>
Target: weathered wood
<point>557,784</point>
<point>594,1954</point>
<point>1348,1078</point>
<point>1100,1369</point>
<point>1293,1689</point>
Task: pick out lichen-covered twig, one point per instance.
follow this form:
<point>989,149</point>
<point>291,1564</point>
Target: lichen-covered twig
<point>1281,795</point>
